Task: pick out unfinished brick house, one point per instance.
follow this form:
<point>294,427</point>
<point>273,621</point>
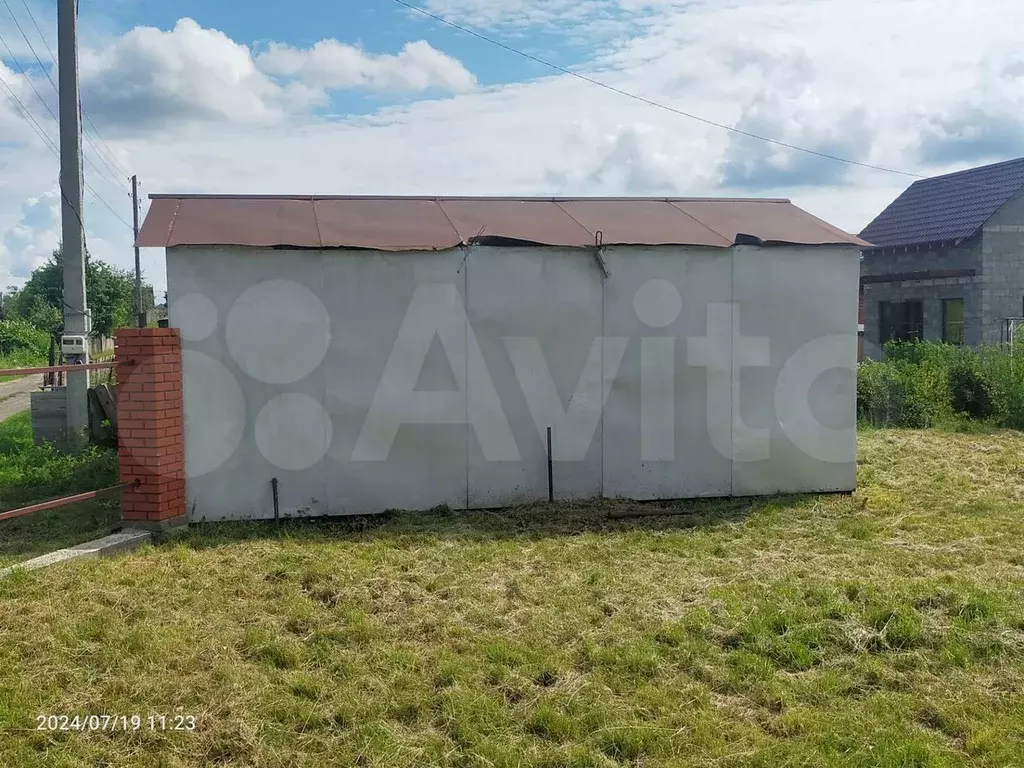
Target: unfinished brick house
<point>948,260</point>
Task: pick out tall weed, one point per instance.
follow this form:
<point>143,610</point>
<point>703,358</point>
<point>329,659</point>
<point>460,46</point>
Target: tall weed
<point>922,384</point>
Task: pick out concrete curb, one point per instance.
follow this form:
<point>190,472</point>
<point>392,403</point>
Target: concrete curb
<point>115,543</point>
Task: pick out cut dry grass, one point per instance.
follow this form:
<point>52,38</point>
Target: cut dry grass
<point>884,628</point>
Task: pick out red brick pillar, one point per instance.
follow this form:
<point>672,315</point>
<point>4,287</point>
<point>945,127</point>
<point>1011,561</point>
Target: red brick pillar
<point>150,426</point>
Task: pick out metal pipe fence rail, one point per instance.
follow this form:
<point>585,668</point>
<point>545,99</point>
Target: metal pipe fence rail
<point>65,500</point>
<point>58,369</point>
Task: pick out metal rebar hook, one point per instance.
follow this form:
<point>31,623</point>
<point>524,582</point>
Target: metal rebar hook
<point>599,253</point>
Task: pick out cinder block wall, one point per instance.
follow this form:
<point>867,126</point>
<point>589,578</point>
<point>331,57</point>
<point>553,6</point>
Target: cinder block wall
<point>151,426</point>
<point>1002,294</point>
<point>930,291</point>
<point>49,416</point>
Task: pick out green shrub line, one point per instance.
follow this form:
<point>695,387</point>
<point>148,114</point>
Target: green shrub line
<point>931,384</point>
<point>20,341</point>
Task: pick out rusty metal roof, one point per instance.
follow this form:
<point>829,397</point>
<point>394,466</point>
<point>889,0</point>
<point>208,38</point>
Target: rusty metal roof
<point>438,223</point>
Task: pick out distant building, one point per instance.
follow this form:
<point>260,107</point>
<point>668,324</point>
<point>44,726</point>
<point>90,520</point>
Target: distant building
<point>948,260</point>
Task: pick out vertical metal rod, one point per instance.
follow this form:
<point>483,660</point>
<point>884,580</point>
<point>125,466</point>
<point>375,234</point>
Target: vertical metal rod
<point>277,509</point>
<point>551,474</point>
<point>76,318</point>
<point>140,313</point>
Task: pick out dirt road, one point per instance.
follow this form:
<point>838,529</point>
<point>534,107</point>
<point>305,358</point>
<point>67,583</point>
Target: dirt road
<point>14,395</point>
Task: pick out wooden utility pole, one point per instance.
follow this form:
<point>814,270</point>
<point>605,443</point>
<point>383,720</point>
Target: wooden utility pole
<point>140,313</point>
<point>76,315</point>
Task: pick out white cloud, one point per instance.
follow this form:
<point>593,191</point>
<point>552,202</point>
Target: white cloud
<point>16,97</point>
<point>874,80</point>
<point>986,121</point>
<point>523,13</point>
<point>150,77</point>
<point>10,122</point>
<point>788,108</point>
<point>634,158</point>
<point>330,64</point>
<point>28,242</point>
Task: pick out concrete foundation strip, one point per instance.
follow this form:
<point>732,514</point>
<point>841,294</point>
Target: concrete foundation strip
<point>116,543</point>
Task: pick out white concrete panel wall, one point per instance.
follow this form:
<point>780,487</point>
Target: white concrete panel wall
<point>245,335</point>
<point>794,420</point>
<point>313,367</point>
<point>385,310</point>
<point>536,314</point>
<point>667,427</point>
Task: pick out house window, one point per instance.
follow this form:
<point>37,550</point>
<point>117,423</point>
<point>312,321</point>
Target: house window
<point>953,321</point>
<point>901,321</point>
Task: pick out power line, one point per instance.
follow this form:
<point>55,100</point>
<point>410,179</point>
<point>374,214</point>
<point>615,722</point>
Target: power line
<point>107,205</point>
<point>21,71</point>
<point>42,37</point>
<point>49,142</point>
<point>25,113</point>
<point>38,129</point>
<point>698,118</point>
<point>39,96</point>
<point>650,102</point>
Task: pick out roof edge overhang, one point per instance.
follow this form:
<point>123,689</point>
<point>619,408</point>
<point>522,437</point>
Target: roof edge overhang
<point>925,245</point>
<point>505,242</point>
<point>516,198</point>
<point>437,223</point>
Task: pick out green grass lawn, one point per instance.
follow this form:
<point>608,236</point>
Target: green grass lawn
<point>884,628</point>
<point>31,473</point>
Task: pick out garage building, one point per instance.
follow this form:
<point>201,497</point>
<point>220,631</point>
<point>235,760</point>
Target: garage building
<point>374,353</point>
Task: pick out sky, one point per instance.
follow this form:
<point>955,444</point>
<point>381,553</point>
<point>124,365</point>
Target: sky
<point>371,97</point>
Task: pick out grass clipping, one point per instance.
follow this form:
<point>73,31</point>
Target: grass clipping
<point>879,629</point>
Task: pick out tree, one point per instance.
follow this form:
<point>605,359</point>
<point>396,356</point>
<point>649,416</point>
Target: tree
<point>110,295</point>
<point>7,299</point>
<point>41,315</point>
<point>17,335</point>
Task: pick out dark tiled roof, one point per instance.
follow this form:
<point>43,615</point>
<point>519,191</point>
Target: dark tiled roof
<point>951,207</point>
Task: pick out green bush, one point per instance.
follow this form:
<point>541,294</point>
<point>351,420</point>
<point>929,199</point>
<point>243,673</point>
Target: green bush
<point>18,337</point>
<point>970,392</point>
<point>21,359</point>
<point>928,383</point>
<point>1005,373</point>
<point>890,394</point>
<point>929,364</point>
